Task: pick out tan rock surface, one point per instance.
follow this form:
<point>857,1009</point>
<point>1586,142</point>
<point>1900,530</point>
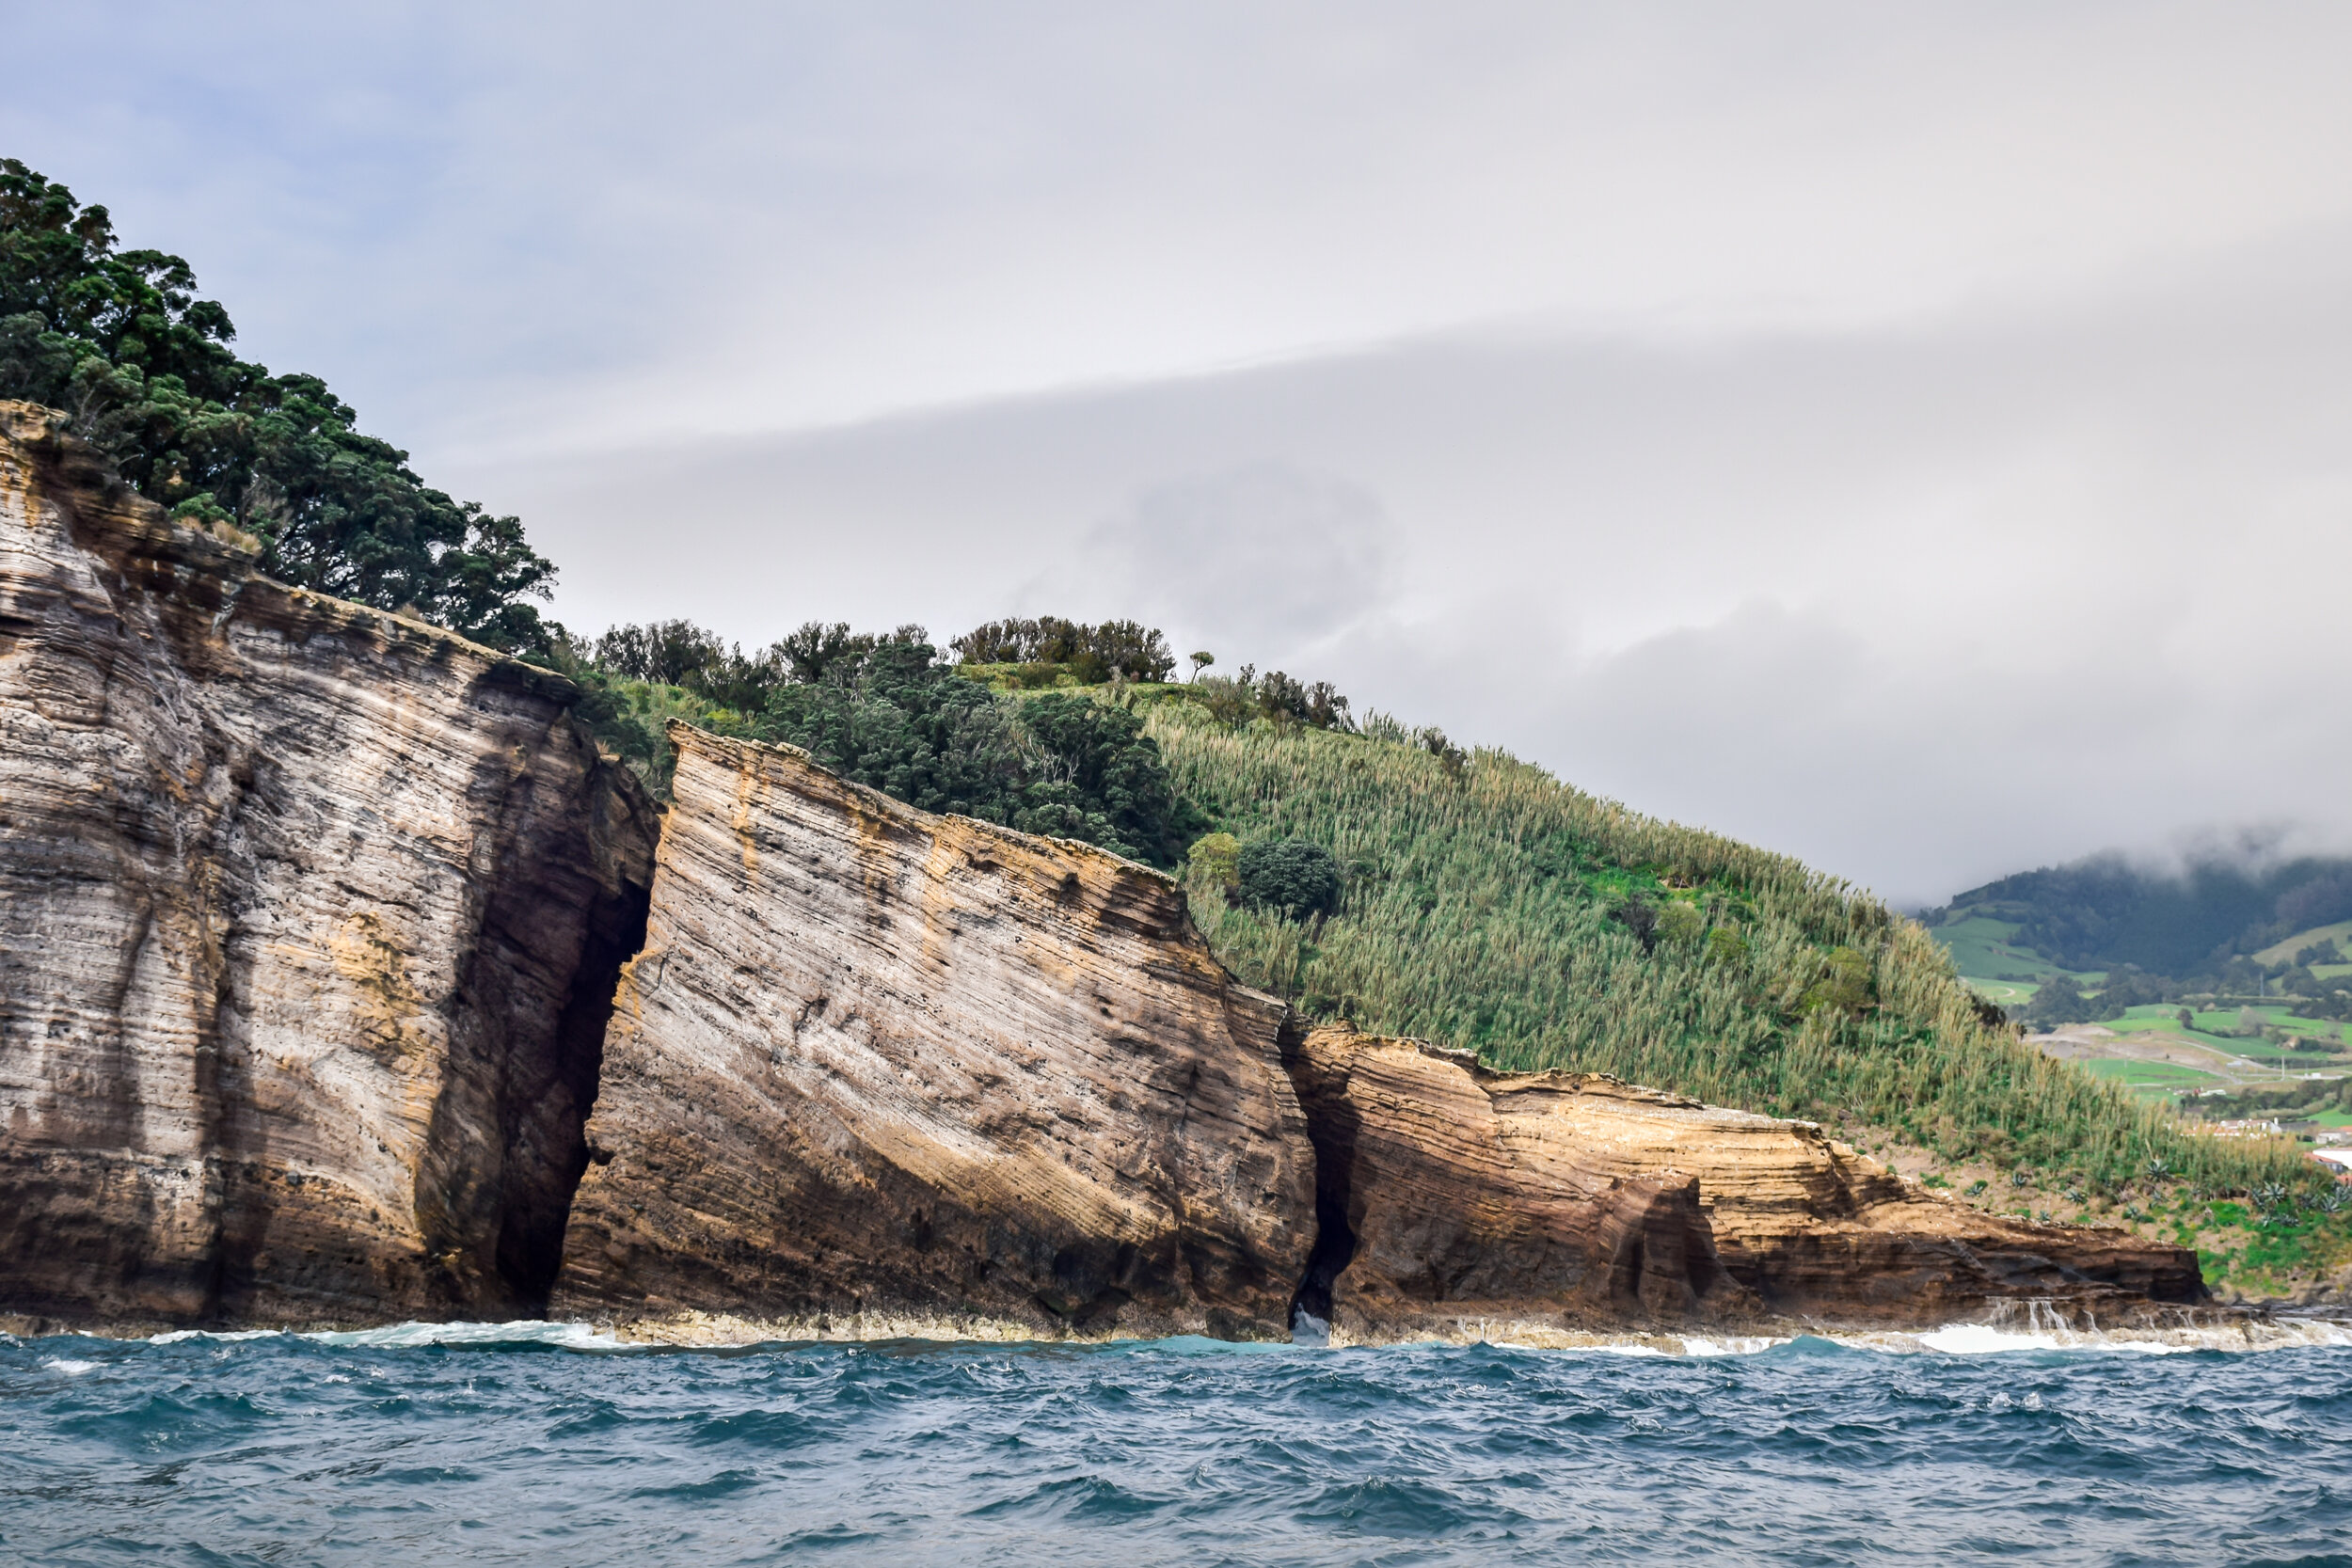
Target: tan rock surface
<point>875,1061</point>
<point>1451,1193</point>
<point>309,916</point>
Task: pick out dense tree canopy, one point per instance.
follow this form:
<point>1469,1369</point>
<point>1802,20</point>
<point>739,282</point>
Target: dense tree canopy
<point>881,710</point>
<point>1136,652</point>
<point>118,340</point>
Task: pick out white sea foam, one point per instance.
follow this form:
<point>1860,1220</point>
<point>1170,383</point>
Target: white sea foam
<point>563,1336</point>
<point>1982,1340</point>
<point>409,1336</point>
<point>71,1368</point>
<point>1745,1345</point>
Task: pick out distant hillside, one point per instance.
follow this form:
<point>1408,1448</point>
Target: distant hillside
<point>2103,912</point>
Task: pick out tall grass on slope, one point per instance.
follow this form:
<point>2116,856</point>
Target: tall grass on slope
<point>1478,915</point>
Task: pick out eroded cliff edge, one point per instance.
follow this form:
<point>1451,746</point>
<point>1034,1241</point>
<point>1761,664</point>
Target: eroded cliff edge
<point>1458,1200</point>
<point>917,1070</point>
<point>311,920</point>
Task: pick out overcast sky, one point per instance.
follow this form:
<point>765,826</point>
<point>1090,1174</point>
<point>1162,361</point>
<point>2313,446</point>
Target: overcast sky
<point>1917,437</point>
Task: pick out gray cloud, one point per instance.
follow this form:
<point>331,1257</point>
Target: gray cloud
<point>1921,604</point>
<point>1911,437</point>
<point>1264,558</point>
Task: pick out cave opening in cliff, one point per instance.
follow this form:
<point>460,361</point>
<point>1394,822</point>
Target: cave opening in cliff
<point>1332,1125</point>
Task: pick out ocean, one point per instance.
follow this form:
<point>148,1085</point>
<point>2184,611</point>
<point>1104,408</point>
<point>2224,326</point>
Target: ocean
<point>549,1445</point>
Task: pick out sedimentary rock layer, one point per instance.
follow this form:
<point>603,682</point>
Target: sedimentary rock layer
<point>913,1066</point>
<point>1451,1194</point>
<point>308,921</point>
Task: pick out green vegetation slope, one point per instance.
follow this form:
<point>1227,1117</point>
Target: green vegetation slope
<point>1491,907</point>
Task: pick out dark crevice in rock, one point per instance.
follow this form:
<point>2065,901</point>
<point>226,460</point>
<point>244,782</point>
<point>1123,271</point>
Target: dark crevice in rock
<point>548,1145</point>
<point>1332,1125</point>
<point>530,1240</point>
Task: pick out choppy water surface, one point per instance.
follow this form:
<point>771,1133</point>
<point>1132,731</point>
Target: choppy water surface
<point>538,1445</point>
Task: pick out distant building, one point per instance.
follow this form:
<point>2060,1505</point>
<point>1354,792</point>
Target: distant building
<point>2337,1160</point>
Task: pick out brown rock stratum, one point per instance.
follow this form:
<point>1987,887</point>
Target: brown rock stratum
<point>1451,1195</point>
<point>915,1068</point>
<point>309,922</point>
<point>322,930</point>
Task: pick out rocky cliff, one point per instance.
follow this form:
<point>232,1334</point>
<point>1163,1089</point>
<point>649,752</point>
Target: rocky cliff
<point>917,1069</point>
<point>311,920</point>
<point>321,931</point>
<point>1450,1196</point>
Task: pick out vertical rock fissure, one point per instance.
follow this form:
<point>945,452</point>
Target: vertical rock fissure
<point>1332,1125</point>
<point>531,1238</point>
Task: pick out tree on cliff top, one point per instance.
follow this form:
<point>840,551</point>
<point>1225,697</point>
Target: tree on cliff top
<point>119,342</point>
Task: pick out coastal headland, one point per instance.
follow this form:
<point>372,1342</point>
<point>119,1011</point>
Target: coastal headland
<point>346,983</point>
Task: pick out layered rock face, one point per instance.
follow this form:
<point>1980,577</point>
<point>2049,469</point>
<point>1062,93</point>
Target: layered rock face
<point>311,919</point>
<point>1450,1195</point>
<point>321,931</point>
<point>918,1068</point>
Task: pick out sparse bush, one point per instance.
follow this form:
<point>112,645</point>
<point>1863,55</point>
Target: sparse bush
<point>1680,920</point>
<point>1844,985</point>
<point>1638,915</point>
<point>1216,860</point>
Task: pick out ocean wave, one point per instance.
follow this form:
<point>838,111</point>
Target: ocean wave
<point>2032,1328</point>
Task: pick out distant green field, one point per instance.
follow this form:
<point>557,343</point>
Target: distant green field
<point>2149,1075</point>
<point>2279,1018</point>
<point>1980,949</point>
<point>2284,952</point>
<point>2161,1016</point>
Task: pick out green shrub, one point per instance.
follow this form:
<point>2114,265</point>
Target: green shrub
<point>1294,876</point>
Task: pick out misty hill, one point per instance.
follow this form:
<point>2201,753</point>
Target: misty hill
<point>2104,913</point>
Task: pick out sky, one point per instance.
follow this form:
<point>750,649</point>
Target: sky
<point>1915,437</point>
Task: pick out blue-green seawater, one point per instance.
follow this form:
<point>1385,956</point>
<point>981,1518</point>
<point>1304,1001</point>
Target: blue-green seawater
<point>524,1446</point>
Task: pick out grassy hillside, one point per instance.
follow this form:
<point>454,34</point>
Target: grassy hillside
<point>1478,914</point>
